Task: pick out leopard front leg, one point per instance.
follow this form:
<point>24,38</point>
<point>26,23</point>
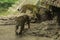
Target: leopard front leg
<point>17,26</point>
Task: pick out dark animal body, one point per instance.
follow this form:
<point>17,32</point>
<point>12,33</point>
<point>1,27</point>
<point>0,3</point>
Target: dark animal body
<point>45,14</point>
<point>56,12</point>
<point>20,21</point>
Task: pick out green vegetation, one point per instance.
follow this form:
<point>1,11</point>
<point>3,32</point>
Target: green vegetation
<point>5,4</point>
<point>9,1</point>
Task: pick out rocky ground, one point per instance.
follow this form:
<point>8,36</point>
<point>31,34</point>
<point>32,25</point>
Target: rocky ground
<point>46,30</point>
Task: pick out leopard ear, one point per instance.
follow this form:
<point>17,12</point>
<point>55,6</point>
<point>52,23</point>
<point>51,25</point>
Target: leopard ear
<point>18,9</point>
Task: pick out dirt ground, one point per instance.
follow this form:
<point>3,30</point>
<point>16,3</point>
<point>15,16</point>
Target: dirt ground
<point>7,32</point>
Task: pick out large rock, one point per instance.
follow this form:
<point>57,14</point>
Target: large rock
<point>45,29</point>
